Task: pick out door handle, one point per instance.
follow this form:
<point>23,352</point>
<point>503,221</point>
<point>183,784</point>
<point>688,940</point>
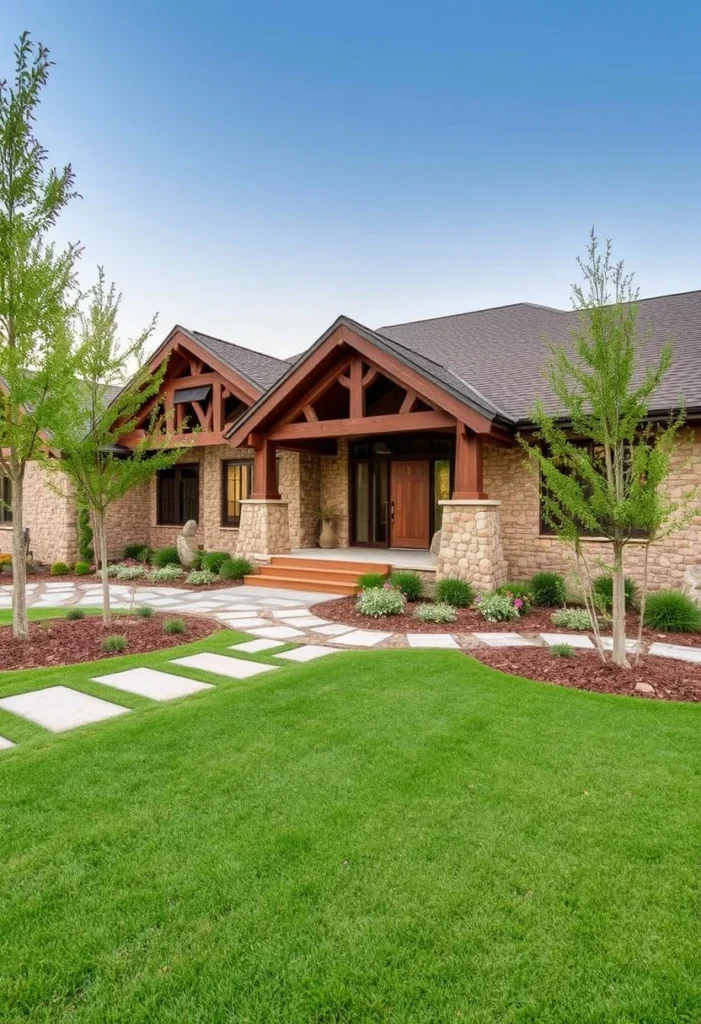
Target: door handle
<point>391,512</point>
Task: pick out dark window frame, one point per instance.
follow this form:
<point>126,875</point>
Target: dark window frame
<point>226,519</point>
<point>6,496</point>
<point>180,513</point>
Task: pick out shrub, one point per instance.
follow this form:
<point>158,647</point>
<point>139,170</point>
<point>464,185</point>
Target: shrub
<point>174,626</point>
<point>165,556</point>
<point>167,574</point>
<point>131,572</point>
<point>144,612</point>
<point>201,577</point>
<point>410,584</point>
<point>235,569</point>
<point>213,560</point>
<point>455,592</point>
<point>670,611</point>
<point>114,644</point>
<point>562,651</point>
<point>440,612</point>
<point>59,569</point>
<point>82,568</point>
<point>141,552</point>
<point>197,560</point>
<point>571,618</point>
<point>112,570</point>
<point>518,588</point>
<point>497,607</point>
<point>548,589</point>
<point>603,591</point>
<point>371,579</point>
<point>379,601</point>
<point>73,614</point>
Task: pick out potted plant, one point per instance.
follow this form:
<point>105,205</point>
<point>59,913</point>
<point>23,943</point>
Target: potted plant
<point>327,516</point>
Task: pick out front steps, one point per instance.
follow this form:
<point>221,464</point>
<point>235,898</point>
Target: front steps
<point>326,575</point>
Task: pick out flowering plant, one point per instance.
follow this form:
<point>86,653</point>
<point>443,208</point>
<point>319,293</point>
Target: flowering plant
<point>500,607</point>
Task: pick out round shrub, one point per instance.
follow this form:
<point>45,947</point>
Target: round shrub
<point>235,569</point>
<point>371,579</point>
<point>548,589</point>
<point>168,574</point>
<point>213,560</point>
<point>562,651</point>
<point>144,612</point>
<point>497,607</point>
<point>517,588</point>
<point>114,644</point>
<point>440,612</point>
<point>141,552</point>
<point>82,568</point>
<point>174,626</point>
<point>410,584</point>
<point>603,590</point>
<point>165,556</point>
<point>456,592</point>
<point>131,572</point>
<point>73,614</point>
<point>670,611</point>
<point>571,618</point>
<point>379,601</point>
<point>201,577</point>
<point>59,569</point>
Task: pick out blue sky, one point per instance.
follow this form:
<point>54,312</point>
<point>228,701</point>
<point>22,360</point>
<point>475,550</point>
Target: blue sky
<point>255,169</point>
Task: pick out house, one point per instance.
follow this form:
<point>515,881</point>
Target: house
<point>403,431</point>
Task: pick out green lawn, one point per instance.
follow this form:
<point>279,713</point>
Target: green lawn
<point>403,836</point>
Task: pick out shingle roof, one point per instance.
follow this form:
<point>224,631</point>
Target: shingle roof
<point>259,368</point>
<point>501,352</point>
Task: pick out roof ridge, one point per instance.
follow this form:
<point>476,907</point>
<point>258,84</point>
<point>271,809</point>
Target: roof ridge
<point>235,344</point>
<point>469,312</point>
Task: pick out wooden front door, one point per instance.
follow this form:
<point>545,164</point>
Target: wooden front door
<point>410,504</point>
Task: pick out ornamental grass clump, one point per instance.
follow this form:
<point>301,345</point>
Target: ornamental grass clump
<point>165,556</point>
<point>144,612</point>
<point>439,612</point>
<point>140,552</point>
<point>603,592</point>
<point>670,611</point>
<point>74,614</point>
<point>380,601</point>
<point>562,651</point>
<point>499,607</point>
<point>201,577</point>
<point>370,580</point>
<point>114,644</point>
<point>456,592</point>
<point>173,626</point>
<point>410,584</point>
<point>82,568</point>
<point>213,560</point>
<point>572,618</point>
<point>548,589</point>
<point>59,569</point>
<point>235,569</point>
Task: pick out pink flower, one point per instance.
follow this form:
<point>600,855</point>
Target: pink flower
<point>518,603</point>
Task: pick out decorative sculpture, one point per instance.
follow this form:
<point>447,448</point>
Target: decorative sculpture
<point>187,548</point>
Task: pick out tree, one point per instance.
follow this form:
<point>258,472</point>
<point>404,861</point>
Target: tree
<point>88,436</point>
<point>603,464</point>
<point>37,294</point>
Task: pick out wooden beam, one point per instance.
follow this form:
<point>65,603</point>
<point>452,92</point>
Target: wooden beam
<point>205,418</point>
<point>310,414</point>
<point>395,424</point>
<point>468,484</point>
<point>315,392</point>
<point>357,393</point>
<point>265,473</point>
<point>370,376</point>
<point>410,400</point>
<point>217,406</point>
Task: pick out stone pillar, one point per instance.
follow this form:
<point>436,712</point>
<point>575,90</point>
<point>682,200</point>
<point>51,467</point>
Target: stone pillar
<point>471,543</point>
<point>264,528</point>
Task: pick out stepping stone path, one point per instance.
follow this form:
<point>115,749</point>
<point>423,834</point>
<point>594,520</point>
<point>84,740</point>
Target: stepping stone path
<point>677,651</point>
<point>362,638</point>
<point>221,665</point>
<point>5,744</point>
<point>58,708</point>
<point>504,640</point>
<point>431,640</point>
<point>573,639</point>
<point>148,682</point>
<point>256,646</point>
<point>308,652</point>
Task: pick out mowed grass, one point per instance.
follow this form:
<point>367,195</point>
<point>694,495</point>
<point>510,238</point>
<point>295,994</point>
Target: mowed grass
<point>403,836</point>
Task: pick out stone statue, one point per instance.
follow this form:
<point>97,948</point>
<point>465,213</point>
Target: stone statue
<point>187,548</point>
<point>436,542</point>
<point>691,584</point>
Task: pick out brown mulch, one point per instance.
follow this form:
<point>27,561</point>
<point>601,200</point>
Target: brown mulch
<point>64,642</point>
<point>670,680</point>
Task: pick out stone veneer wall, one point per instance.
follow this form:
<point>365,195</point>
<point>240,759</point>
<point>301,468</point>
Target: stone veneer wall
<point>471,545</point>
<point>508,477</point>
<point>50,516</point>
<point>300,487</point>
<point>264,530</point>
<point>335,489</point>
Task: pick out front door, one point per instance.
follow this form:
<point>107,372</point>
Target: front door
<point>410,504</point>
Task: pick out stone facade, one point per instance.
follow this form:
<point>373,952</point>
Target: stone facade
<point>265,529</point>
<point>49,514</point>
<point>335,489</point>
<point>300,487</point>
<point>471,545</point>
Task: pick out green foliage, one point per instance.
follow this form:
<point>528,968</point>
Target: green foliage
<point>174,626</point>
<point>114,644</point>
<point>410,584</point>
<point>168,574</point>
<point>572,618</point>
<point>497,607</point>
<point>73,614</point>
<point>235,569</point>
<point>603,591</point>
<point>670,611</point>
<point>378,602</point>
<point>112,570</point>
<point>548,589</point>
<point>518,588</point>
<point>371,579</point>
<point>85,536</point>
<point>59,569</point>
<point>131,572</point>
<point>141,552</point>
<point>456,592</point>
<point>165,556</point>
<point>213,560</point>
<point>201,577</point>
<point>562,651</point>
<point>439,612</point>
<point>197,559</point>
<point>144,612</point>
<point>82,568</point>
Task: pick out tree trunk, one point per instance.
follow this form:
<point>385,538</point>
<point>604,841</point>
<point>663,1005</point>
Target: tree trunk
<point>102,542</point>
<point>20,626</point>
<point>643,600</point>
<point>618,611</point>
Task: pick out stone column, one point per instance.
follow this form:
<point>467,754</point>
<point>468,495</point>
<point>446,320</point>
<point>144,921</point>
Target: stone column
<point>264,528</point>
<point>471,543</point>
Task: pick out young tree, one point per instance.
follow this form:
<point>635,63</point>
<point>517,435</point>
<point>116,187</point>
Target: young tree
<point>88,436</point>
<point>612,485</point>
<point>37,294</point>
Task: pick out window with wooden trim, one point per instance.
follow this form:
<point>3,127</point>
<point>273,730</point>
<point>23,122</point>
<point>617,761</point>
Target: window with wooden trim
<point>178,494</point>
<point>237,484</point>
<point>5,499</point>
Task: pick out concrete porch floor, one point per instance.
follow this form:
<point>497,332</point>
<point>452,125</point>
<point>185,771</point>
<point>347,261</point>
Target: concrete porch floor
<point>398,558</point>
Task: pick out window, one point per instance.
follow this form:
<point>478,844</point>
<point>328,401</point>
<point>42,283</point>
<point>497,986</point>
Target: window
<point>237,480</point>
<point>5,499</point>
<point>178,495</point>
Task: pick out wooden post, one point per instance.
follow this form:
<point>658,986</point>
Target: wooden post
<point>468,483</point>
<point>264,470</point>
<point>357,391</point>
<point>217,407</point>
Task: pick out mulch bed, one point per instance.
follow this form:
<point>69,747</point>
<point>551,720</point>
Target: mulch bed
<point>64,642</point>
<point>670,680</point>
